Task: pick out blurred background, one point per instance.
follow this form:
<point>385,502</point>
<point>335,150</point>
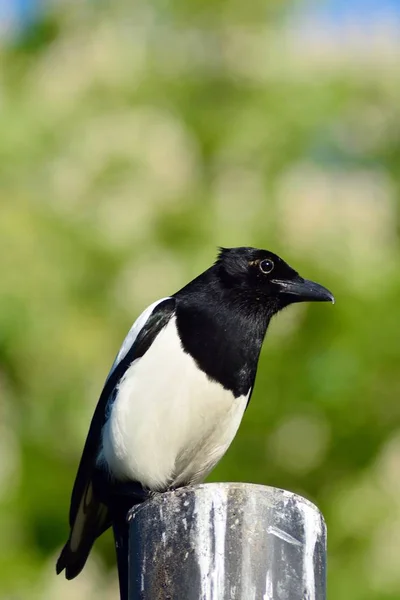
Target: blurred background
<point>137,137</point>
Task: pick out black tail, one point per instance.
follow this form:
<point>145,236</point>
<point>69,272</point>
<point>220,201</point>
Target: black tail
<point>92,519</point>
<point>72,562</point>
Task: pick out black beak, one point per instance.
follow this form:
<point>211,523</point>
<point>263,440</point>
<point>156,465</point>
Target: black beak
<point>303,290</point>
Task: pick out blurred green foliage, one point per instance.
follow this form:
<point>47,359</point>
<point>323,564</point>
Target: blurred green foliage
<point>136,139</point>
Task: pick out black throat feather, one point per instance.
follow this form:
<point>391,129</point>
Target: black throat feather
<point>223,329</point>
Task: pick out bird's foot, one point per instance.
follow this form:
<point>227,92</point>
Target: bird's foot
<point>130,490</point>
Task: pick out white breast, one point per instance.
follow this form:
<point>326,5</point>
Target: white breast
<point>169,424</point>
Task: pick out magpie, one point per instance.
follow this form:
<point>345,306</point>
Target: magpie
<point>178,388</point>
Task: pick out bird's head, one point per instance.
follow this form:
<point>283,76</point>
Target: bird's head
<point>266,279</point>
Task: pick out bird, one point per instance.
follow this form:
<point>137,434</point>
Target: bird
<point>176,393</point>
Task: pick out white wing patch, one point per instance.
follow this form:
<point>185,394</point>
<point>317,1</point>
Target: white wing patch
<point>133,333</point>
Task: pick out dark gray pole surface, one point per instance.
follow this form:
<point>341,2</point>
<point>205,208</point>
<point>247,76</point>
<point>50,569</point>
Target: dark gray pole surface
<point>227,541</point>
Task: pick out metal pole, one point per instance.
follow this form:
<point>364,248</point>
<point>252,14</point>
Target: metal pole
<point>227,541</point>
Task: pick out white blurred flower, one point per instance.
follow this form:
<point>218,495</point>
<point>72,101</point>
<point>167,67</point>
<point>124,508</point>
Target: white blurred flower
<point>158,273</point>
<point>344,220</point>
<point>387,469</point>
<point>299,444</point>
<point>93,582</point>
<point>382,561</point>
<point>10,459</point>
<point>238,196</point>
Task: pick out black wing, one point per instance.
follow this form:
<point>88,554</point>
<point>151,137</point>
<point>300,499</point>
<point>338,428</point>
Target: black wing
<point>88,516</point>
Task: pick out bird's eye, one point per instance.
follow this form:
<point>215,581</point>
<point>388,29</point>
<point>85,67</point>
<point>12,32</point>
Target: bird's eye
<point>266,266</point>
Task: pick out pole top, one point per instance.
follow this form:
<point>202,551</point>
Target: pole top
<point>227,541</point>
